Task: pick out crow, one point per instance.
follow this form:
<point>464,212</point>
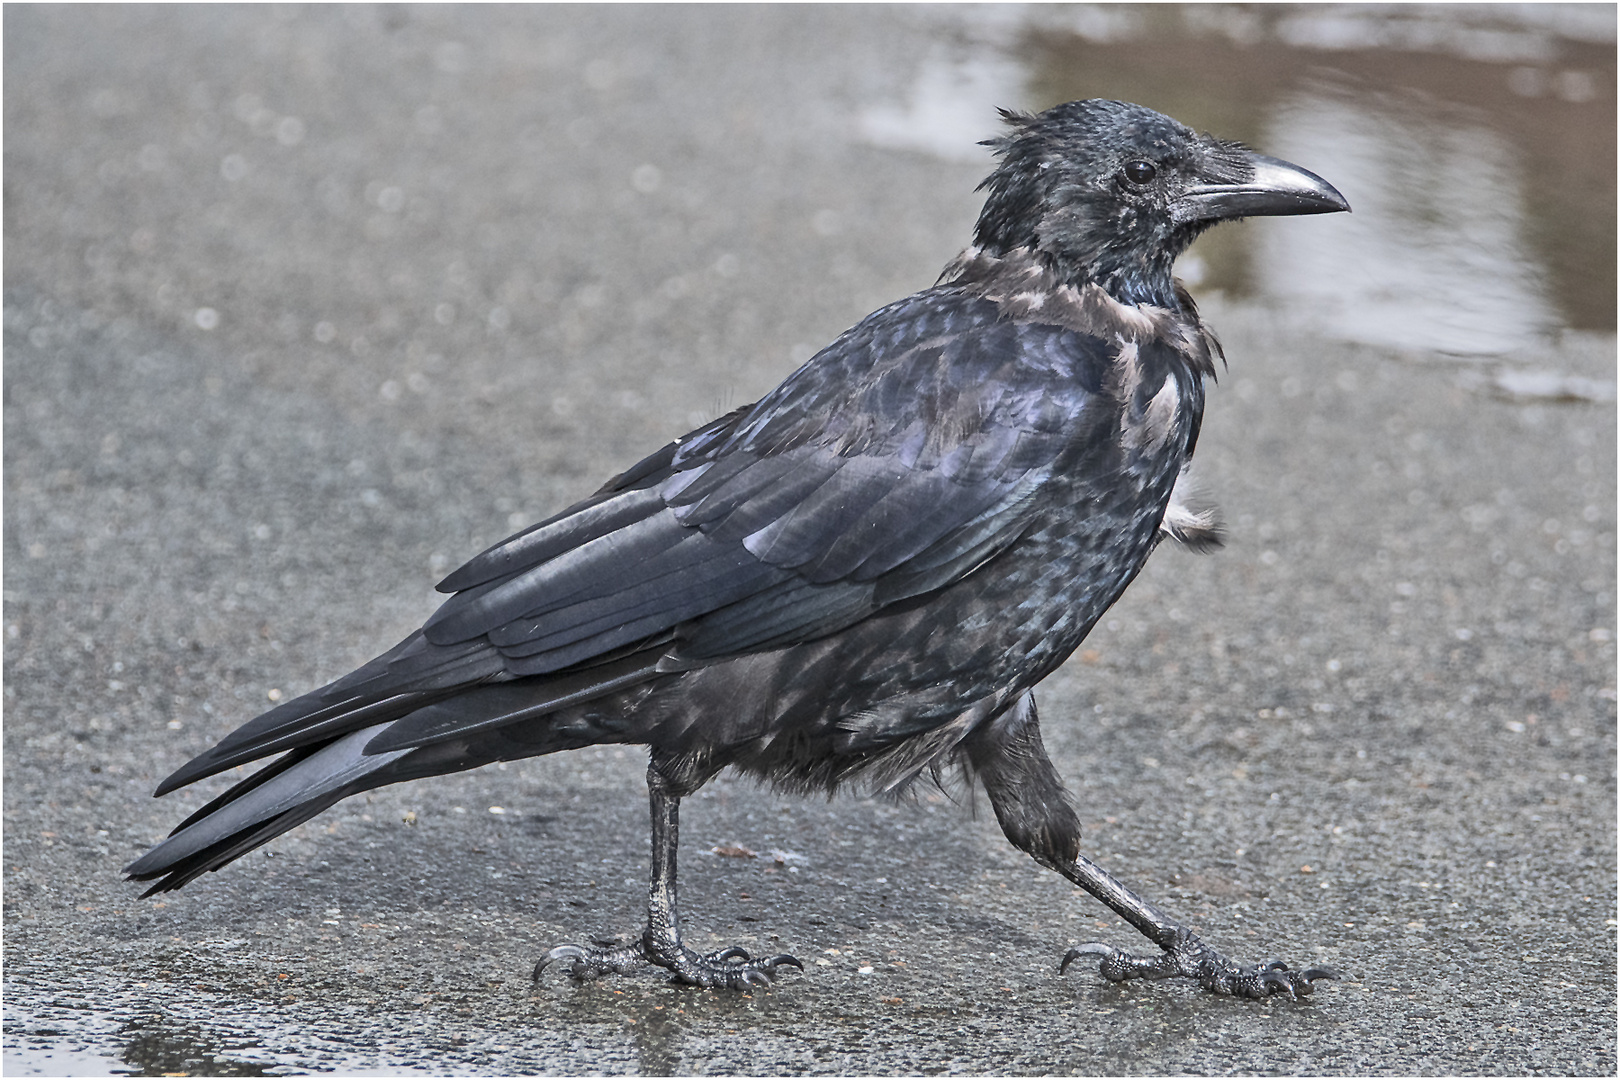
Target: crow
<point>860,577</point>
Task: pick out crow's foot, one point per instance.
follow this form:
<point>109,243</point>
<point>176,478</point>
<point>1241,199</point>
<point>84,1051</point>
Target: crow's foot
<point>592,962</point>
<point>731,968</point>
<point>1187,957</point>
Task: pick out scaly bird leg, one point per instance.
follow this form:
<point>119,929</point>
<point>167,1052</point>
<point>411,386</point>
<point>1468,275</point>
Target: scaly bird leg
<point>1033,809</point>
<point>660,942</point>
<point>1184,954</point>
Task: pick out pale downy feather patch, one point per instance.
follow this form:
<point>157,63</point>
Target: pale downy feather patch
<point>1192,518</point>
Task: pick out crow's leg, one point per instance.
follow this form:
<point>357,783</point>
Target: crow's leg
<point>1034,811</point>
<point>661,941</point>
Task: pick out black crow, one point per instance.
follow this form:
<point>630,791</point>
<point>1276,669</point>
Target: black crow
<point>861,576</point>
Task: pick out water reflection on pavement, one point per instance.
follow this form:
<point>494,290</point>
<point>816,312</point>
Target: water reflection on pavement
<point>1465,140</point>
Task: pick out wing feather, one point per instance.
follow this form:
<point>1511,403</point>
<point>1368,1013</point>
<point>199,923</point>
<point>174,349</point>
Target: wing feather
<point>898,460</point>
<point>587,521</point>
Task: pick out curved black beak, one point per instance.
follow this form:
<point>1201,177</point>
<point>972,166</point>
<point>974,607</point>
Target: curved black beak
<point>1276,188</point>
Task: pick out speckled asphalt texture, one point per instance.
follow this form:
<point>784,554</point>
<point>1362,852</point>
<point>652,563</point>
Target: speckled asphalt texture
<point>304,308</point>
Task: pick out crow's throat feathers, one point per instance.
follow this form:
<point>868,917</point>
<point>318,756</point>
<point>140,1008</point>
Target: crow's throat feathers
<point>1026,289</point>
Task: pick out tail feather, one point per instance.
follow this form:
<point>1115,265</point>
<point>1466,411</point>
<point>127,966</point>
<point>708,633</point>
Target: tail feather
<point>418,710</point>
<point>230,848</point>
<point>412,674</point>
<point>242,787</point>
<point>261,807</point>
<point>319,729</point>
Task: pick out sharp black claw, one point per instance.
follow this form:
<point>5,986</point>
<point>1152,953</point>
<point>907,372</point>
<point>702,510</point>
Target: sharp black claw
<point>755,977</point>
<point>572,951</point>
<point>782,959</point>
<point>1275,982</point>
<point>1310,975</point>
<point>1090,948</point>
<point>734,952</point>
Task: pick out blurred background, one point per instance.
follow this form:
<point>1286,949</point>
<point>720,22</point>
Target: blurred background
<point>306,305</point>
<point>1476,143</point>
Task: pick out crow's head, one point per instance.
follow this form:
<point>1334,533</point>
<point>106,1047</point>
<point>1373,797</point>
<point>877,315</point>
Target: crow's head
<point>1110,192</point>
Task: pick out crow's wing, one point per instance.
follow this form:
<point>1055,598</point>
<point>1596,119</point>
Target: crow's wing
<point>894,462</point>
<point>911,450</point>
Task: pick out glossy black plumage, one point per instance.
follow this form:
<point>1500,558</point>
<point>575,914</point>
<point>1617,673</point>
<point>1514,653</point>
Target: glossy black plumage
<point>861,575</point>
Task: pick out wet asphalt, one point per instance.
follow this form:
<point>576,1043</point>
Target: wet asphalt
<point>304,307</point>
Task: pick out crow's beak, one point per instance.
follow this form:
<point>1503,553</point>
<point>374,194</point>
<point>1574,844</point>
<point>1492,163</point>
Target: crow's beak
<point>1277,188</point>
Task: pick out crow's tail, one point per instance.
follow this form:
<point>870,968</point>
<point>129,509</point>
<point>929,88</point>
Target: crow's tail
<point>283,795</point>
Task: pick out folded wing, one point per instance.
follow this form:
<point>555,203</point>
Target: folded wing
<point>781,522</point>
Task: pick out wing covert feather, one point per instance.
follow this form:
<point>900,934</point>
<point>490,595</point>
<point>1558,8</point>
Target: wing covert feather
<point>902,456</point>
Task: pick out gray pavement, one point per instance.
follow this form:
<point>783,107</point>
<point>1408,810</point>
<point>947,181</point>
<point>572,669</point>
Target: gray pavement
<point>303,307</point>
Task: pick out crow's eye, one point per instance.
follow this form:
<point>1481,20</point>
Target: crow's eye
<point>1140,172</point>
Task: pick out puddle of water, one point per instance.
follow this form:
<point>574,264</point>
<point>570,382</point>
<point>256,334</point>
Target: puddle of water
<point>1476,144</point>
<point>1434,256</point>
<point>100,1030</point>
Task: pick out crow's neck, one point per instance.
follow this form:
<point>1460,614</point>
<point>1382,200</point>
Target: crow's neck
<point>1026,288</point>
<point>1128,281</point>
<point>1113,247</point>
<point>1126,278</point>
